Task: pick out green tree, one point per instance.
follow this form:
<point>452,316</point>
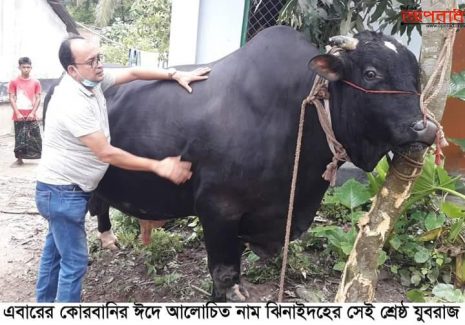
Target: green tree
<point>321,19</point>
<point>146,27</point>
<point>125,24</point>
<point>82,11</point>
<point>108,10</point>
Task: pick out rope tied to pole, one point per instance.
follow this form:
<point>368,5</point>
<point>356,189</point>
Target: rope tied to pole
<point>432,89</point>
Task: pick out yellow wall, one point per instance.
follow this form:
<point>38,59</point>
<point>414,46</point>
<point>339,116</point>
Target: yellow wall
<point>453,119</point>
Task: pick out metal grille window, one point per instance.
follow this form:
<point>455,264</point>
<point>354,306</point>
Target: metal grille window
<point>262,14</point>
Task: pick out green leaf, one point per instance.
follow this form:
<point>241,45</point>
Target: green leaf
<point>374,184</point>
<point>377,177</point>
<point>422,255</point>
<point>430,235</point>
<point>380,8</point>
<point>395,242</point>
<point>433,275</point>
<point>355,217</point>
<point>444,179</point>
<point>404,277</point>
<point>339,266</point>
<point>382,258</point>
<point>459,142</point>
<point>416,295</point>
<point>455,230</point>
<point>457,85</point>
<point>433,178</point>
<point>448,293</point>
<point>433,220</point>
<point>352,194</point>
<point>415,279</point>
<point>334,234</point>
<point>452,210</point>
<point>252,257</point>
<point>347,248</point>
<point>426,180</point>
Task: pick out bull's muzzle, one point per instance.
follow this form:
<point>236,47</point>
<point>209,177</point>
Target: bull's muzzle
<point>425,131</point>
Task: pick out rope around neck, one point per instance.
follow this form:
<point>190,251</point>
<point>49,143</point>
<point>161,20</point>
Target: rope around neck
<point>318,92</point>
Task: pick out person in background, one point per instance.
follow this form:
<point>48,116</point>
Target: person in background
<point>77,152</point>
<point>24,94</point>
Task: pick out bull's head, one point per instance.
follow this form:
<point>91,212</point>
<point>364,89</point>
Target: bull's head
<point>369,124</point>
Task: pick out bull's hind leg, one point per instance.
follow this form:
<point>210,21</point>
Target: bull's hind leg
<point>101,208</point>
<point>224,254</point>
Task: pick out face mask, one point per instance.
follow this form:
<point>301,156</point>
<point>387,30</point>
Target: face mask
<point>88,83</point>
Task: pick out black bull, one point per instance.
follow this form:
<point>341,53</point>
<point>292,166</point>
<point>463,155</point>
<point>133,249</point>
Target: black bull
<point>239,130</point>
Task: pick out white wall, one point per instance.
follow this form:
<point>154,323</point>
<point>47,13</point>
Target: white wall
<point>6,124</point>
<point>30,28</point>
<point>183,32</point>
<point>220,29</point>
<point>204,30</point>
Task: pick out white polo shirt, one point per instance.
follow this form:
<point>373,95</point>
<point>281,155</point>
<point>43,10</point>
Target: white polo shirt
<point>73,112</point>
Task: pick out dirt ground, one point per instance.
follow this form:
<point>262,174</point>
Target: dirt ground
<point>119,276</point>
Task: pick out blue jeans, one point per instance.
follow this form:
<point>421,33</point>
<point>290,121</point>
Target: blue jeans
<point>64,259</point>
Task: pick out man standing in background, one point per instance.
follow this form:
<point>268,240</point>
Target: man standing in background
<point>24,94</point>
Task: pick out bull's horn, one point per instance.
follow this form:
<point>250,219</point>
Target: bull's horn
<point>344,42</point>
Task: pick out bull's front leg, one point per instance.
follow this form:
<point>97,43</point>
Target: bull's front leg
<point>224,251</point>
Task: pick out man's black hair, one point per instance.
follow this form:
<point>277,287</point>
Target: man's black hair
<point>24,60</point>
<point>64,53</point>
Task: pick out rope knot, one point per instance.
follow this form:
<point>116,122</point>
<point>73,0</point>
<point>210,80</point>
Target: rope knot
<point>330,172</point>
<point>322,93</point>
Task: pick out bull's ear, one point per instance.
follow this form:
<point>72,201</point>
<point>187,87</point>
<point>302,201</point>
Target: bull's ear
<point>327,66</point>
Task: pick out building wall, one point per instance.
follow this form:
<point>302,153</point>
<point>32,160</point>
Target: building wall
<point>204,30</point>
<point>220,29</point>
<point>30,28</point>
<point>6,125</point>
<point>453,119</point>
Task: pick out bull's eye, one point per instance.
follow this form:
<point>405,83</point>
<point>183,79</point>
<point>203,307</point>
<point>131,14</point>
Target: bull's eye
<point>370,75</point>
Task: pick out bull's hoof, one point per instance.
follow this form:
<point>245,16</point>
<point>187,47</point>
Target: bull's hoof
<point>108,240</point>
<point>237,293</point>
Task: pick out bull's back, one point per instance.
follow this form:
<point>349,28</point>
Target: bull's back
<point>243,112</point>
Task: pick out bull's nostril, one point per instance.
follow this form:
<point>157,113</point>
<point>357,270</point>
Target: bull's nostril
<point>419,126</point>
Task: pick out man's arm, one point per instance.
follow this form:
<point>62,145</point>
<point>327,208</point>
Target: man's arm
<point>12,97</point>
<point>171,168</point>
<point>32,115</point>
<point>182,77</point>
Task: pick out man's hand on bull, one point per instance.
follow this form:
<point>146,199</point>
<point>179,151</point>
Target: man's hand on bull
<point>184,78</point>
<point>174,169</point>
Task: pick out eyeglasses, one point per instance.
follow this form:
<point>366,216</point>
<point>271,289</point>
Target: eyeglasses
<point>93,63</point>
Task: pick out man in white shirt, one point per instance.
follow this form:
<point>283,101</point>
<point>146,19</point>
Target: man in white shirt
<point>75,155</point>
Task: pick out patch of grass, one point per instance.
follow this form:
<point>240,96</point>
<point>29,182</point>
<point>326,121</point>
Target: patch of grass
<point>163,249</point>
<point>126,228</point>
<point>167,280</point>
<point>258,270</point>
<point>192,230</point>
